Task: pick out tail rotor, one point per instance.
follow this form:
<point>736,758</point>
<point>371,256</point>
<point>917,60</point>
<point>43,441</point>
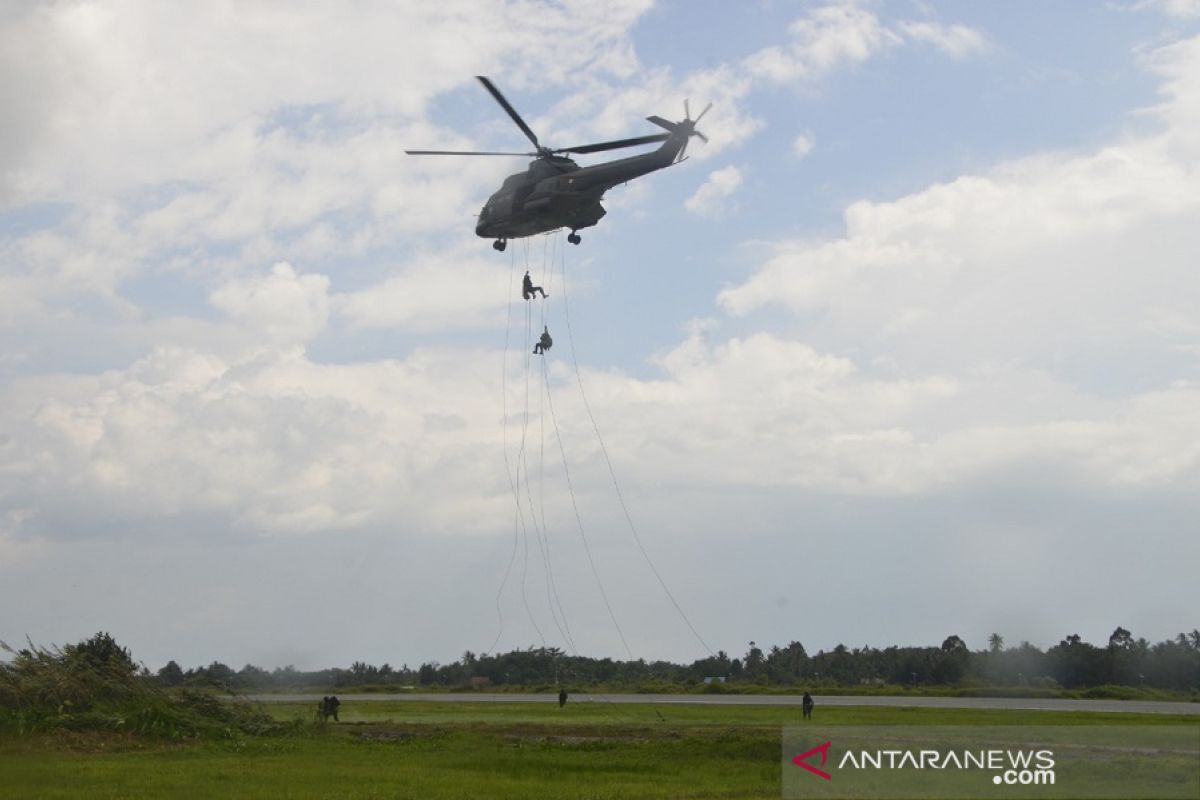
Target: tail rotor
<point>687,124</point>
<point>690,125</point>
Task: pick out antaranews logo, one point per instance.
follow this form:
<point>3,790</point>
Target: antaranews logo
<point>975,762</point>
<point>801,760</point>
<point>1009,767</point>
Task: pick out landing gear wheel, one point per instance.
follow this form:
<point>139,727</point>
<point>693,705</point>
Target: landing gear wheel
<point>573,238</point>
<point>500,244</point>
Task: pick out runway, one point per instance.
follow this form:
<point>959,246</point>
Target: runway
<point>1008,703</point>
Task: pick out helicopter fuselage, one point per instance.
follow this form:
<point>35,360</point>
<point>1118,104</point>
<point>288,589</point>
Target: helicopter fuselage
<point>555,192</point>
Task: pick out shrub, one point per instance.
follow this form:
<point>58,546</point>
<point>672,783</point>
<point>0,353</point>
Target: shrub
<point>94,685</point>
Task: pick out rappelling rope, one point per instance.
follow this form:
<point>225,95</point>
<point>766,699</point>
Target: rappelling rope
<point>608,462</point>
<point>507,467</point>
<point>579,521</point>
<point>540,532</point>
<point>551,582</point>
<point>520,532</point>
<point>523,465</point>
<point>520,528</point>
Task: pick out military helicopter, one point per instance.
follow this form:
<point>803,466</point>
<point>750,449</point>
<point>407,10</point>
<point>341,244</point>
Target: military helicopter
<point>555,192</point>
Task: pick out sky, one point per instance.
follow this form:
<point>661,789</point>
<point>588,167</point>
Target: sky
<point>909,348</point>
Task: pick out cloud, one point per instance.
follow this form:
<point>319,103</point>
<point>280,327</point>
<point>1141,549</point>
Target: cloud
<point>283,306</point>
<point>960,360</point>
<point>825,38</point>
<point>833,36</point>
<point>454,290</point>
<point>1024,242</point>
<point>1179,9</point>
<point>265,441</point>
<point>156,160</point>
<point>145,126</point>
<point>982,270</point>
<point>138,161</point>
<point>712,198</point>
<point>270,442</point>
<point>1030,317</point>
<point>599,111</point>
<point>956,41</point>
<point>289,148</point>
<point>824,423</point>
<point>803,144</point>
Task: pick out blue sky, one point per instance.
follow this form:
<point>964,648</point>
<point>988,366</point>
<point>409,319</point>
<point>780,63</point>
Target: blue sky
<point>907,349</point>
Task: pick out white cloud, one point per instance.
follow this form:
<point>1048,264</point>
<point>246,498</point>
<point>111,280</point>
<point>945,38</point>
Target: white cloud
<point>453,290</point>
<point>1028,324</point>
<point>143,82</point>
<point>1049,295</point>
<point>956,41</point>
<point>290,147</point>
<point>270,441</point>
<point>598,111</point>
<point>983,269</point>
<point>1177,63</point>
<point>266,441</point>
<point>712,198</point>
<point>822,40</point>
<point>777,412</point>
<point>283,306</point>
<point>833,36</point>
<point>803,144</point>
<point>1180,9</point>
<point>825,39</point>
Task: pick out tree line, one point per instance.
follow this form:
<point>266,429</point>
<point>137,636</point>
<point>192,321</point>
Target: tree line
<point>1172,664</point>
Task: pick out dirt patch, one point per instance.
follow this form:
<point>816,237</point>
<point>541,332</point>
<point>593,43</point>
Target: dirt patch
<point>375,734</point>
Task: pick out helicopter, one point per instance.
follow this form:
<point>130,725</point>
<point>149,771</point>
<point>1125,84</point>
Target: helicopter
<point>555,192</point>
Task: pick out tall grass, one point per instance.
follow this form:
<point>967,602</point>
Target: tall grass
<point>96,685</point>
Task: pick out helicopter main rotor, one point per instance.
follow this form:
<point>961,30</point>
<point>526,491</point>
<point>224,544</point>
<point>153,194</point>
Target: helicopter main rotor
<point>541,151</point>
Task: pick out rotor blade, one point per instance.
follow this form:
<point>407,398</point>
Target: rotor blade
<point>596,148</point>
<point>662,123</point>
<point>703,138</point>
<point>461,153</point>
<point>702,113</point>
<point>687,112</point>
<point>512,112</point>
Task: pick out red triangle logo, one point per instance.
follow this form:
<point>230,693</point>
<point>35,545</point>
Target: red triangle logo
<point>823,749</point>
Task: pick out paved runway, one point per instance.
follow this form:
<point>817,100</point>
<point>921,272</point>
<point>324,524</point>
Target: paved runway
<point>1011,703</point>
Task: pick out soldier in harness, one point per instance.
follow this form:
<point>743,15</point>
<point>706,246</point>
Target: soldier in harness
<point>544,343</point>
<point>528,289</point>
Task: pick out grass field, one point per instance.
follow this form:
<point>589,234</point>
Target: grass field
<point>486,750</point>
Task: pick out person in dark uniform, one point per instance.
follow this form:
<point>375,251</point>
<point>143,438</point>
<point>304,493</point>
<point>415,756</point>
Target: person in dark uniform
<point>544,343</point>
<point>562,697</point>
<point>334,703</point>
<point>528,289</point>
<point>807,704</point>
<point>329,708</point>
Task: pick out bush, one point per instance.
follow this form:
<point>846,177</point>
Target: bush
<point>94,685</point>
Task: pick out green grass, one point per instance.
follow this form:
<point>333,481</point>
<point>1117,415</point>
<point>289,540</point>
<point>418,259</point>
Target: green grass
<point>1104,692</point>
<point>691,716</point>
<point>385,749</point>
